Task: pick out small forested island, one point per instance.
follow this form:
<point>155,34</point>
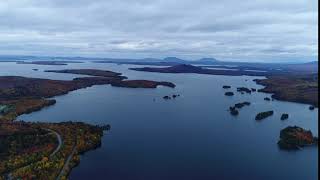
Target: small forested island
<point>263,115</point>
<point>267,99</point>
<point>228,93</point>
<point>240,105</point>
<point>226,87</point>
<point>175,95</point>
<point>244,89</point>
<point>171,97</point>
<point>233,109</point>
<point>284,116</point>
<point>294,137</point>
<point>166,97</point>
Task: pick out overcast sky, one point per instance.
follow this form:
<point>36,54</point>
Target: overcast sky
<point>255,30</point>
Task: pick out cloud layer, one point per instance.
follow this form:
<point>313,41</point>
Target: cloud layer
<point>262,30</point>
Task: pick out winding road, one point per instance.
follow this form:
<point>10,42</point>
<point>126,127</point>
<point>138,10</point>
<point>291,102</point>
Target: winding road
<point>59,141</point>
<point>9,175</point>
<point>66,163</point>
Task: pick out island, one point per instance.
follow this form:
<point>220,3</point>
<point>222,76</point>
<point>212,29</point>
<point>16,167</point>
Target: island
<point>263,115</point>
<point>284,116</point>
<point>240,105</point>
<point>234,109</point>
<point>166,97</point>
<point>175,95</point>
<point>244,90</point>
<point>294,137</point>
<point>226,87</point>
<point>267,99</point>
<point>228,93</point>
<point>90,72</point>
<point>311,108</point>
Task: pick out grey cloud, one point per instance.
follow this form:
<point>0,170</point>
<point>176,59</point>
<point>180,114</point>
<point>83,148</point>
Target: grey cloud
<point>229,30</point>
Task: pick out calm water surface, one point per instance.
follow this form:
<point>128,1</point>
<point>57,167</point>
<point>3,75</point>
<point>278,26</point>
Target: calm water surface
<point>191,137</point>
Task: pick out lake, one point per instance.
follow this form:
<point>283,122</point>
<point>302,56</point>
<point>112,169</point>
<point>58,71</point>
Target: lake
<point>190,137</point>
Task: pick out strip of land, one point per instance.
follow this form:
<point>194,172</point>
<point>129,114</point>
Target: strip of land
<point>55,63</point>
<point>90,72</point>
<point>186,68</point>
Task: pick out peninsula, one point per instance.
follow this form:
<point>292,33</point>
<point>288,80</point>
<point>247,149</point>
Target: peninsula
<point>26,95</point>
<point>49,150</point>
<point>300,88</point>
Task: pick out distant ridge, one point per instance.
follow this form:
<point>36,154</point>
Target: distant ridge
<point>312,62</point>
<point>207,61</point>
<point>175,60</point>
<point>171,60</point>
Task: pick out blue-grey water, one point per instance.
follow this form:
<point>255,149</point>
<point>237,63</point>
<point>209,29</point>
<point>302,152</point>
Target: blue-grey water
<point>191,137</point>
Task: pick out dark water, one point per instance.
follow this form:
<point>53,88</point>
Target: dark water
<point>191,137</point>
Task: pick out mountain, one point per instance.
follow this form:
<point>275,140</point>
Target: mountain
<point>206,61</point>
<point>175,60</point>
<point>312,62</point>
<point>311,67</point>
